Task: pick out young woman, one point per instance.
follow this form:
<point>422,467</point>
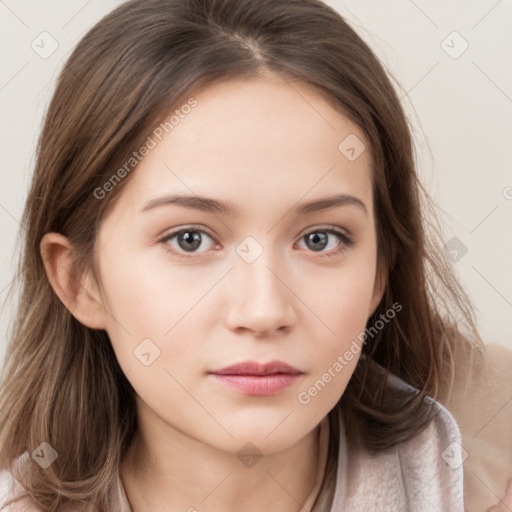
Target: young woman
<point>229,296</point>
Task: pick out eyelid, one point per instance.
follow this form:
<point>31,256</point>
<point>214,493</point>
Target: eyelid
<point>320,227</point>
<point>189,227</point>
<point>327,227</point>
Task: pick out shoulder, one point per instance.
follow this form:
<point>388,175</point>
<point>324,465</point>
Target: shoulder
<point>422,474</point>
<point>10,489</point>
<point>431,463</point>
<point>481,402</point>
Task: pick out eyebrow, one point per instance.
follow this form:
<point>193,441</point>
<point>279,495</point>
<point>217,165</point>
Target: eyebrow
<point>208,204</point>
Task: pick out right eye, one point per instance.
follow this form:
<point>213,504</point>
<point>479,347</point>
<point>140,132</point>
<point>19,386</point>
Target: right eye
<point>188,240</point>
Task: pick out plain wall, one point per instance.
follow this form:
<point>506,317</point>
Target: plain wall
<point>459,102</point>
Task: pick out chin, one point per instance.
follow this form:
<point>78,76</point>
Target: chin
<point>268,435</point>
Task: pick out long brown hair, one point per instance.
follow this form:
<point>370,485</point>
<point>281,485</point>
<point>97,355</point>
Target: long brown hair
<point>61,381</point>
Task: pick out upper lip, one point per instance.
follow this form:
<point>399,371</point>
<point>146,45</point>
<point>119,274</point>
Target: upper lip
<point>255,368</point>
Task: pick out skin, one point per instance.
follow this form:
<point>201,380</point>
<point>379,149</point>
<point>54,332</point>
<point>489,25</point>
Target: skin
<point>264,145</point>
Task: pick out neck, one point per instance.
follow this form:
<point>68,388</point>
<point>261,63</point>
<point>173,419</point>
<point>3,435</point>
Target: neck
<point>164,469</point>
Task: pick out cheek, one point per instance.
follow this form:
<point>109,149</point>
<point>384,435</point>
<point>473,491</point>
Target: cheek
<point>342,299</point>
<point>336,352</point>
<point>155,315</point>
<point>148,296</point>
<point>341,311</point>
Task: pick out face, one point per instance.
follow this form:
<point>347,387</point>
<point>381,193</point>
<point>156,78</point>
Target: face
<point>265,274</point>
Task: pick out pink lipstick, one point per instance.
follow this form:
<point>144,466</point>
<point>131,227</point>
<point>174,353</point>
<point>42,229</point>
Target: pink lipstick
<point>253,378</point>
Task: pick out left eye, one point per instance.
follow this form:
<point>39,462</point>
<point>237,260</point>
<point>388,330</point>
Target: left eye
<point>318,240</point>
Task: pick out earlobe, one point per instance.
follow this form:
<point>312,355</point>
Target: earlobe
<point>79,295</point>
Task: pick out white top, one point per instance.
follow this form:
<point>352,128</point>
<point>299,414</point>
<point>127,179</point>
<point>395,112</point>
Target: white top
<point>423,474</point>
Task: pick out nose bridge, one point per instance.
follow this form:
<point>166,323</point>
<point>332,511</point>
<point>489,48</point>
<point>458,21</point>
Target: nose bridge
<point>259,272</point>
<point>260,300</point>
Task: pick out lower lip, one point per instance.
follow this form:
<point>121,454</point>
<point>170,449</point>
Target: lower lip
<point>264,385</point>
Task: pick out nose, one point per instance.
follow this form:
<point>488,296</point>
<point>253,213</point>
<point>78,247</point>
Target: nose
<point>261,301</point>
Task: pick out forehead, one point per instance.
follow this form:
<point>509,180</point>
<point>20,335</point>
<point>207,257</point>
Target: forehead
<point>263,139</point>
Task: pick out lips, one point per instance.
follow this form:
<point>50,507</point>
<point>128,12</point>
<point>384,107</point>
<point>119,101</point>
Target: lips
<point>254,368</point>
<point>253,378</point>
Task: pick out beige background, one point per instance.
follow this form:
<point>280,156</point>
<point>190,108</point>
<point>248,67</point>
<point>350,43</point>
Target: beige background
<point>460,103</point>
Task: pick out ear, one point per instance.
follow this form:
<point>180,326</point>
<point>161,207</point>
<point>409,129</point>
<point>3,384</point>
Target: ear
<point>79,294</point>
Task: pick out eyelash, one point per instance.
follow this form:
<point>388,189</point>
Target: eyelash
<point>346,240</point>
